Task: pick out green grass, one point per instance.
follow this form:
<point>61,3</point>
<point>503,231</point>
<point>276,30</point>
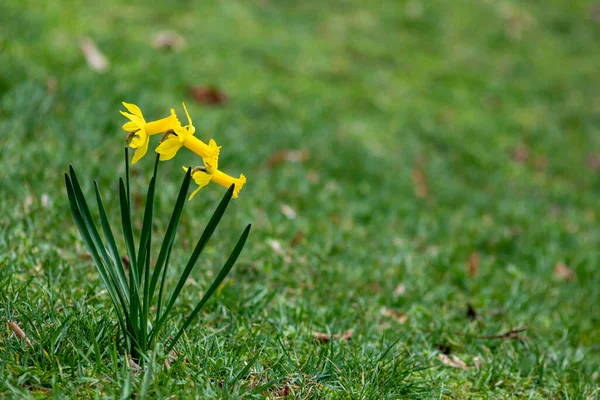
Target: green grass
<point>373,91</point>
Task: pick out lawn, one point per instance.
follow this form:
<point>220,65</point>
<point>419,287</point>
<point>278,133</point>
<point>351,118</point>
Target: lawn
<point>423,181</point>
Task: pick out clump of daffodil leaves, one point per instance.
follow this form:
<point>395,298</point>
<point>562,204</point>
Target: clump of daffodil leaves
<point>142,301</point>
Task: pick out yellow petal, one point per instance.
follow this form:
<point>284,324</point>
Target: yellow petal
<point>140,139</point>
<point>188,114</point>
<point>168,148</point>
<point>140,152</point>
<point>133,118</point>
<point>201,178</point>
<point>135,110</point>
<point>194,193</point>
<point>164,124</point>
<point>130,126</point>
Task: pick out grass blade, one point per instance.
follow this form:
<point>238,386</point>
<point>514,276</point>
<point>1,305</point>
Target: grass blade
<point>217,282</point>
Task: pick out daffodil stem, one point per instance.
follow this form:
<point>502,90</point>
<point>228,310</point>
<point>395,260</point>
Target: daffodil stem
<point>127,177</point>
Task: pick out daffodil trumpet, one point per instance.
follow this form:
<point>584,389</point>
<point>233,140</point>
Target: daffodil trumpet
<point>202,175</point>
<point>140,130</point>
<point>183,136</point>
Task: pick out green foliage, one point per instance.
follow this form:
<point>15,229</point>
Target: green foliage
<point>133,298</point>
<point>371,91</point>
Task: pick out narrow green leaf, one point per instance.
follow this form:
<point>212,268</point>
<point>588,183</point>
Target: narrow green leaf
<point>171,231</point>
<point>217,282</point>
<point>89,243</point>
<point>127,177</point>
<point>146,227</point>
<point>134,290</point>
<point>112,245</point>
<point>87,218</point>
<point>206,235</point>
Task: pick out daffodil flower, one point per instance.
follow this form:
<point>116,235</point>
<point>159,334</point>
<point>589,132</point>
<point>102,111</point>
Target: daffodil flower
<point>142,130</point>
<point>203,175</point>
<point>184,136</point>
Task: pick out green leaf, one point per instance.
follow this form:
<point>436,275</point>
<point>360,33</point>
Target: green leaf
<point>206,235</point>
<point>170,233</point>
<point>217,282</point>
<point>146,226</point>
<point>90,245</point>
<point>112,245</point>
<point>134,288</point>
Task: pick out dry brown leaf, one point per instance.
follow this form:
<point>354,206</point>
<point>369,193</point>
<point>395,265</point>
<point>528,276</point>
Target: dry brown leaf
<point>93,56</point>
<point>134,366</point>
<point>27,204</point>
<point>18,332</point>
<point>397,316</point>
<point>293,156</point>
<point>168,40</point>
<point>595,13</point>
<point>288,211</point>
<point>593,160</point>
<point>51,84</point>
<point>400,290</point>
<point>275,246</point>
<point>520,153</point>
<point>171,358</point>
<point>313,177</point>
<point>210,95</point>
<point>322,338</point>
<point>473,265</point>
<point>563,272</point>
<point>297,239</point>
<point>283,392</point>
<point>453,361</point>
<point>420,181</point>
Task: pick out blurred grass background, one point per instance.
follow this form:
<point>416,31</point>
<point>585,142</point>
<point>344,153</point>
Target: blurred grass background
<point>429,131</point>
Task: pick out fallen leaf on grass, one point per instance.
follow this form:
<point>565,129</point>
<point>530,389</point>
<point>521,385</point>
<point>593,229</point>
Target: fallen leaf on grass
<point>283,392</point>
<point>275,246</point>
<point>322,338</point>
<point>93,56</point>
<point>453,361</point>
<point>420,181</point>
<point>293,156</point>
<point>297,239</point>
<point>134,366</point>
<point>563,272</point>
<point>288,211</point>
<point>51,84</point>
<point>19,332</point>
<point>400,290</point>
<point>473,265</point>
<point>170,358</point>
<point>210,95</point>
<point>397,316</point>
<point>168,40</point>
<point>520,153</point>
<point>477,362</point>
<point>593,161</point>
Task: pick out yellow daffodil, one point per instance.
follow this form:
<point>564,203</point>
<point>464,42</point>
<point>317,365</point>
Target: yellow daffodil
<point>142,130</point>
<point>210,172</point>
<point>184,136</point>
